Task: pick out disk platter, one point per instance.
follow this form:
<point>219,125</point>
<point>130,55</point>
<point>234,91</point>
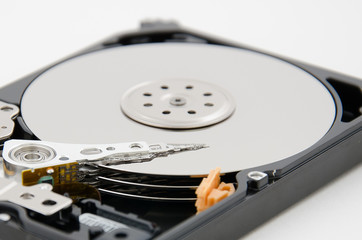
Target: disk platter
<point>262,109</point>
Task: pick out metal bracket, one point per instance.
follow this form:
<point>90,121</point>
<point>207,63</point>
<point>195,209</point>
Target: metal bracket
<point>7,113</point>
<point>38,198</point>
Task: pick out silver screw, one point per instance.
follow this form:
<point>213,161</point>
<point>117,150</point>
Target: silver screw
<point>5,217</point>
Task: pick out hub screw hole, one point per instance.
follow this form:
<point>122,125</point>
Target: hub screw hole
<point>166,112</point>
<point>191,112</point>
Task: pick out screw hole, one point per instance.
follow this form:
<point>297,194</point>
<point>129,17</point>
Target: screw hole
<point>110,148</point>
<point>121,235</point>
<point>191,112</point>
<point>135,146</point>
<point>6,109</point>
<point>64,158</point>
<point>49,203</point>
<point>4,127</point>
<point>147,94</point>
<point>27,196</point>
<point>189,87</point>
<point>208,94</point>
<point>256,175</point>
<point>147,104</point>
<point>164,87</point>
<point>166,112</point>
<point>209,104</point>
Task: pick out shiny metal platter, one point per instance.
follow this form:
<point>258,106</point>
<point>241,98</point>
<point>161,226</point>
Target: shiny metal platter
<point>278,109</point>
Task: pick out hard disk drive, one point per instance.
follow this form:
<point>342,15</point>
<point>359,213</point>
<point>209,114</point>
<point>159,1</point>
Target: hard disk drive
<point>114,141</point>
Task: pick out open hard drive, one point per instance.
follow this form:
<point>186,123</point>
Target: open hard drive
<point>113,141</point>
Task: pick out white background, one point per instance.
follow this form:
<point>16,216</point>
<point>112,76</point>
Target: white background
<point>324,33</point>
